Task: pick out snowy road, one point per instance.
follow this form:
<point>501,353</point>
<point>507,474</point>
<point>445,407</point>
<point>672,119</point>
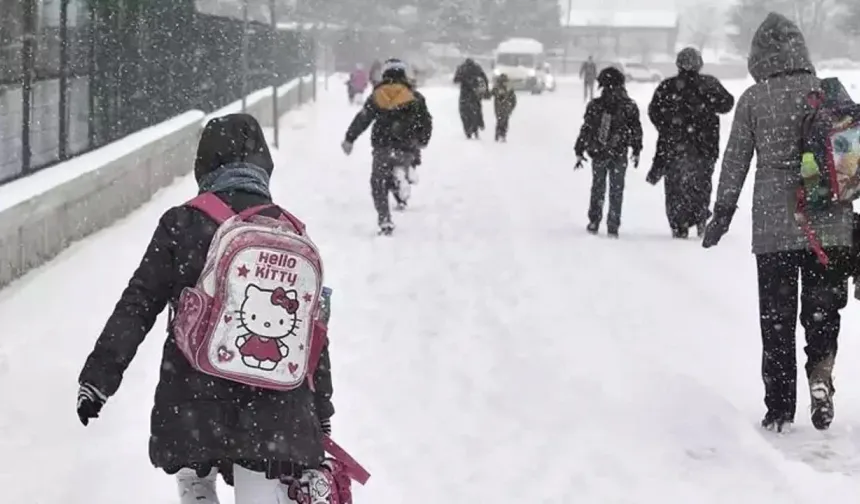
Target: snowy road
<point>491,351</point>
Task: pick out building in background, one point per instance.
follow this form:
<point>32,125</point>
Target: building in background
<point>648,35</point>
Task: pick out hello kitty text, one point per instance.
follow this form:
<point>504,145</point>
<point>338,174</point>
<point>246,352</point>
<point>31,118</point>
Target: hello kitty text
<point>273,266</point>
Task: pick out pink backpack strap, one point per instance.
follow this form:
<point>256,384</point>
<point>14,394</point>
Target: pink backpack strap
<point>319,338</point>
<point>285,216</point>
<point>353,469</point>
<point>213,206</point>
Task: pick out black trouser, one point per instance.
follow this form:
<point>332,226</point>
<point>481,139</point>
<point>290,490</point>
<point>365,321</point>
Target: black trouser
<point>382,178</point>
<point>587,89</point>
<point>688,186</point>
<point>471,113</point>
<point>823,293</point>
<point>502,125</point>
<point>615,169</point>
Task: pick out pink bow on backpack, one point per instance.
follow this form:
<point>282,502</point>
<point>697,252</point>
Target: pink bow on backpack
<point>280,298</point>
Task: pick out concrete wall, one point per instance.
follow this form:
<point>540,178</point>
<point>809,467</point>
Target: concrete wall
<point>42,214</point>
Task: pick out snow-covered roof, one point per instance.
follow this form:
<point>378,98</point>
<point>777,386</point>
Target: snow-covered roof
<point>620,19</point>
<point>520,46</point>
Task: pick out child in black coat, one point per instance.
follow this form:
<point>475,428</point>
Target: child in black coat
<point>504,102</point>
<point>200,424</point>
<point>611,128</point>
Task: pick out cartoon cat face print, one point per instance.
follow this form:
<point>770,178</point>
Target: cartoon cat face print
<point>269,313</point>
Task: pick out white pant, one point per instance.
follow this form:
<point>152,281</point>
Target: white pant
<point>249,487</point>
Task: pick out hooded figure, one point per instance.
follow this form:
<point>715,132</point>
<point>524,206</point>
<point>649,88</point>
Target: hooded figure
<point>611,128</point>
<point>684,111</point>
<point>199,423</point>
<point>402,126</point>
<point>474,86</point>
<point>767,123</point>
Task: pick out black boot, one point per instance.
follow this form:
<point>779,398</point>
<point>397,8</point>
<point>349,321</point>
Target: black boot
<point>777,422</point>
<point>386,228</point>
<point>592,227</point>
<point>680,233</point>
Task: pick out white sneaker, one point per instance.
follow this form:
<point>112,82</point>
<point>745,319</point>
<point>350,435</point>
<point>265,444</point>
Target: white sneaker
<point>412,175</point>
<point>403,186</point>
<point>196,490</point>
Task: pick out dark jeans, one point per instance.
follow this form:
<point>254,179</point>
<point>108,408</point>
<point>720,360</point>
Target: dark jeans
<point>502,126</point>
<point>382,178</point>
<point>688,187</point>
<point>823,293</point>
<point>615,169</point>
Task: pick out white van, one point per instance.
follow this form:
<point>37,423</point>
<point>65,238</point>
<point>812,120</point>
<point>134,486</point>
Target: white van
<point>522,60</point>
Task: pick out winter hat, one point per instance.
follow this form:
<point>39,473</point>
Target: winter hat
<point>394,69</point>
<point>610,77</point>
<point>689,60</point>
<point>233,138</point>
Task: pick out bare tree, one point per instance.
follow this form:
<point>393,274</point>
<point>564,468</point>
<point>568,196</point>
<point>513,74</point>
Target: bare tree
<point>700,25</point>
<point>814,17</point>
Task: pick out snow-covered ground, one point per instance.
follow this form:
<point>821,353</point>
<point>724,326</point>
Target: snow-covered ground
<point>491,351</point>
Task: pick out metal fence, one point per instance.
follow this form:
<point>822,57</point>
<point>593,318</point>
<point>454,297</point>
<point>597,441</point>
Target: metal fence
<point>78,74</point>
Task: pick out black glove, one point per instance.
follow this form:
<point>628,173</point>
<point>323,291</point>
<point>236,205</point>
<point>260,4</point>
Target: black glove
<point>326,426</point>
<point>90,402</point>
<point>718,226</point>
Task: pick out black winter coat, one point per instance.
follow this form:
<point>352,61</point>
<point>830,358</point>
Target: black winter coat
<point>199,421</point>
<point>504,101</point>
<point>473,81</point>
<point>400,118</point>
<point>611,126</point>
<point>685,109</point>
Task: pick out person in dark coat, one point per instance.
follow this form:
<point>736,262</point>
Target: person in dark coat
<point>767,124</point>
<point>684,110</point>
<point>402,126</point>
<point>588,74</point>
<point>504,103</point>
<point>474,87</point>
<point>199,423</point>
<point>610,128</point>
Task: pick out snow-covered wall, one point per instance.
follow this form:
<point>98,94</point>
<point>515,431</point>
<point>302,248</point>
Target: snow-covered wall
<point>42,214</point>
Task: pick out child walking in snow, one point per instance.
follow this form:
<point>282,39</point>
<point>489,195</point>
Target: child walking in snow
<point>504,103</point>
<point>202,424</point>
<point>611,129</point>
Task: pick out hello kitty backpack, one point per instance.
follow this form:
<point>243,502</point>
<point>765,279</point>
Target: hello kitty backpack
<point>253,316</point>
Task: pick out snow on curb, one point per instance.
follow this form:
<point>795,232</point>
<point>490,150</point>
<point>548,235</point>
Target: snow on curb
<point>42,214</point>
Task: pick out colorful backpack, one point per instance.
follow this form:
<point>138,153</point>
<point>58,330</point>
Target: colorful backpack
<point>254,315</point>
<point>830,156</point>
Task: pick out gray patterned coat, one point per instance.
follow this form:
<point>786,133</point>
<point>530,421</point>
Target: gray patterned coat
<point>767,123</point>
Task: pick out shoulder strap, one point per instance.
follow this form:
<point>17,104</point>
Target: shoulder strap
<point>213,206</point>
<point>285,216</point>
<point>219,211</point>
<point>353,469</point>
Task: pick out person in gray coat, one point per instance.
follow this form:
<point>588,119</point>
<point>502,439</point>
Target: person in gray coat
<point>767,123</point>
